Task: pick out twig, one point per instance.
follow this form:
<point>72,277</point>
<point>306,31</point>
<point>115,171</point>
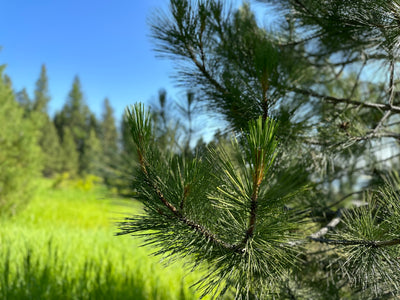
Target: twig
<point>372,244</point>
<point>391,83</point>
<point>344,198</point>
<point>380,106</point>
<point>358,78</point>
<point>204,71</point>
<point>181,217</point>
<point>332,224</point>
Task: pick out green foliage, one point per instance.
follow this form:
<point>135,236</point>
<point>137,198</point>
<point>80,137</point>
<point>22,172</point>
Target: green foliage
<point>328,73</point>
<point>88,182</point>
<point>128,146</point>
<point>369,257</point>
<point>90,161</point>
<point>42,98</point>
<point>349,26</point>
<point>60,180</point>
<point>24,100</point>
<point>221,209</point>
<point>76,116</point>
<point>166,127</point>
<point>49,140</point>
<point>51,149</point>
<point>70,156</point>
<point>109,142</point>
<point>19,153</point>
<point>108,131</point>
<point>236,66</point>
<point>62,247</point>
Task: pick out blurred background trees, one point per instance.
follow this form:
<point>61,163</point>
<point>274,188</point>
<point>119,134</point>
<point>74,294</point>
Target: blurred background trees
<point>71,144</point>
<point>20,155</point>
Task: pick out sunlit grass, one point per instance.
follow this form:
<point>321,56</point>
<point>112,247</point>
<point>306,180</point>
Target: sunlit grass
<point>62,246</point>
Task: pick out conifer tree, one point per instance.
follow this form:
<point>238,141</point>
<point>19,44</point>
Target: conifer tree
<point>19,152</point>
<point>42,97</point>
<point>49,140</point>
<point>70,155</point>
<point>51,148</point>
<point>108,128</point>
<point>188,111</point>
<point>277,214</point>
<point>24,100</point>
<point>127,143</point>
<point>167,127</point>
<point>76,116</point>
<point>94,124</point>
<point>92,154</point>
<point>121,169</point>
<point>108,138</point>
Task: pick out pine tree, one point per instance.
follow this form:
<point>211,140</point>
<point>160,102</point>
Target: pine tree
<point>189,110</point>
<point>109,139</point>
<point>127,145</point>
<point>275,215</point>
<point>76,114</point>
<point>42,97</point>
<point>51,148</point>
<point>24,100</point>
<point>70,155</point>
<point>121,169</point>
<point>92,154</point>
<point>167,127</point>
<point>19,153</point>
<point>108,129</point>
<point>77,117</point>
<point>49,140</point>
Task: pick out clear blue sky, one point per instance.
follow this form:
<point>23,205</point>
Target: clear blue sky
<point>105,43</point>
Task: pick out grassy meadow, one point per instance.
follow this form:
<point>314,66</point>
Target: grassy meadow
<point>62,246</point>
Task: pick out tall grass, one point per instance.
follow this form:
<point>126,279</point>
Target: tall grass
<point>63,247</point>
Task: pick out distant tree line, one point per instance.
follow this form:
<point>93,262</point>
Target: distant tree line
<point>73,142</point>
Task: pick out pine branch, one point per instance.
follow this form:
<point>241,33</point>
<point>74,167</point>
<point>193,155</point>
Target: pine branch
<point>179,214</point>
<point>203,70</point>
<point>209,235</point>
<point>365,58</point>
<point>391,83</point>
<point>372,134</point>
<point>353,90</point>
<point>253,210</point>
<point>380,106</point>
<point>372,244</point>
<point>324,230</point>
<point>302,41</point>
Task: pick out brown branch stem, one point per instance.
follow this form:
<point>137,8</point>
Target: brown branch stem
<point>380,106</point>
<point>391,83</point>
<point>181,217</point>
<point>366,243</point>
<point>324,230</point>
<point>203,70</point>
<point>257,179</point>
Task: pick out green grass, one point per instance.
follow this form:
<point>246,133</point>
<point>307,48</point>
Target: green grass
<point>62,246</point>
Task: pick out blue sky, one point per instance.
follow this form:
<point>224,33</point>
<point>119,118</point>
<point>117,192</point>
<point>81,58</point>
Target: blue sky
<point>105,43</point>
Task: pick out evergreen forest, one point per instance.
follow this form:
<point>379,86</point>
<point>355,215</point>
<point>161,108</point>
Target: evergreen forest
<point>295,196</point>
